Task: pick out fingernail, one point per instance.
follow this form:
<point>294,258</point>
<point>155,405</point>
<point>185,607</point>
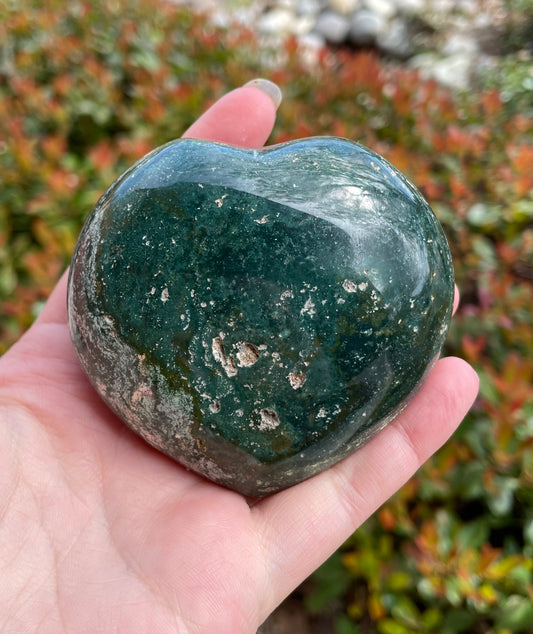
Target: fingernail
<point>268,87</point>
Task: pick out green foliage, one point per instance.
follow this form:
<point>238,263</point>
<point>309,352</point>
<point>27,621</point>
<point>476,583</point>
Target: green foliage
<point>87,88</point>
<point>332,581</point>
<point>514,77</point>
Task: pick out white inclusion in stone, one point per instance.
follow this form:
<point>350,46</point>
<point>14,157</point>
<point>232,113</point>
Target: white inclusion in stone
<point>247,354</point>
<point>269,420</point>
<point>309,308</point>
<point>164,295</point>
<point>219,354</point>
<point>349,286</point>
<point>296,380</point>
<point>220,201</point>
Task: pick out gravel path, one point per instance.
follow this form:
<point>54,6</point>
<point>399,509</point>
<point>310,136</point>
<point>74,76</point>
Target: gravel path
<point>449,40</point>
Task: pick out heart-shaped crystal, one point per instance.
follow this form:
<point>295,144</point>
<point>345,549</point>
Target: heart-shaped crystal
<point>259,314</point>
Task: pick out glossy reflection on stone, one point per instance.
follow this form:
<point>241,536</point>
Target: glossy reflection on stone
<point>258,315</point>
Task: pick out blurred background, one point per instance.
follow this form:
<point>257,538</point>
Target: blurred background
<point>444,90</point>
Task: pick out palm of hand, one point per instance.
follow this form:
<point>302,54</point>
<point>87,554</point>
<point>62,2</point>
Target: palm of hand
<point>100,532</point>
<point>110,535</point>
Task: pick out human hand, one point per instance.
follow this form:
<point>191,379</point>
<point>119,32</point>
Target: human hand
<point>101,533</point>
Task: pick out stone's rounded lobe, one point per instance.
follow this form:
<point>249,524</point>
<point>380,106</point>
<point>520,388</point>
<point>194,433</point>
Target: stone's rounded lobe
<point>258,315</point>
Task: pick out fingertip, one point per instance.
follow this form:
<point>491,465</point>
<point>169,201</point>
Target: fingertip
<point>269,88</point>
<point>243,117</point>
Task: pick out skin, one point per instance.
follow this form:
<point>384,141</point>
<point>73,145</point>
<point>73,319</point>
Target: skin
<point>101,533</point>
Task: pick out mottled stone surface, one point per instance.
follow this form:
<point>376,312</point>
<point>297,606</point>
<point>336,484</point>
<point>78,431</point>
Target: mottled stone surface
<point>258,315</point>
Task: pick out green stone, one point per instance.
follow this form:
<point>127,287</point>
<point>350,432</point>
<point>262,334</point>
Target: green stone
<point>258,315</point>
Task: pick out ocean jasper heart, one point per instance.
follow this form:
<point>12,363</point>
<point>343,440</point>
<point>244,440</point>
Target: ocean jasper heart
<point>259,314</point>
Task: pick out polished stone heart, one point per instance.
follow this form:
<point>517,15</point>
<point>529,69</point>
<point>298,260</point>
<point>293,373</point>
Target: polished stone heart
<point>258,315</point>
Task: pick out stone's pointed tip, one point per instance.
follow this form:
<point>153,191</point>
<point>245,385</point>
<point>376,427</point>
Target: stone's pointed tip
<point>268,87</point>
